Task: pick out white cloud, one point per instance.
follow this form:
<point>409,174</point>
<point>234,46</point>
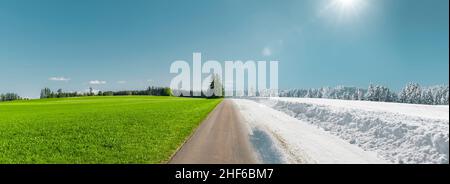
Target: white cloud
<point>121,82</point>
<point>267,51</point>
<point>58,79</point>
<point>97,82</point>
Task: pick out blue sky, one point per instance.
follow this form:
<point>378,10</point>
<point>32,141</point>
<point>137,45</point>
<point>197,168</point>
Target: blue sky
<point>122,44</point>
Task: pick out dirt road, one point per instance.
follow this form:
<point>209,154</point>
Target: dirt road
<point>220,139</point>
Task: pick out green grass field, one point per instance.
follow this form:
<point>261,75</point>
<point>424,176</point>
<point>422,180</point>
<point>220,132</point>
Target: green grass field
<point>130,129</point>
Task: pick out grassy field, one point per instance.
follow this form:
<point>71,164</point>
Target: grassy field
<point>131,129</point>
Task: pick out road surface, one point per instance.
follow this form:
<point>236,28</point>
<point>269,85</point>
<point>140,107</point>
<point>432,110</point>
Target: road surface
<point>242,131</point>
<point>220,139</point>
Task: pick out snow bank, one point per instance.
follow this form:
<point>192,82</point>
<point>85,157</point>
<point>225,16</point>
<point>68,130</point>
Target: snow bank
<point>298,141</point>
<point>400,133</point>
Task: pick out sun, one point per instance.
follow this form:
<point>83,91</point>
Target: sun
<point>347,3</point>
<point>346,10</point>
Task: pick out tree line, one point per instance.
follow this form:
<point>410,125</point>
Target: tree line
<point>215,90</point>
<point>10,97</point>
<point>412,93</point>
<point>150,91</point>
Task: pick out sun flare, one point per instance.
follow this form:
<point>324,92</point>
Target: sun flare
<point>347,3</point>
<point>345,10</point>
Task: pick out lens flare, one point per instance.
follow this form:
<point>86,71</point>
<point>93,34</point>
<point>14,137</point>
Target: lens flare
<point>345,10</point>
<point>347,3</point>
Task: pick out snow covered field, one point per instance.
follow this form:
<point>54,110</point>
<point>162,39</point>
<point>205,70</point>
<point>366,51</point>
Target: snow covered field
<point>339,131</point>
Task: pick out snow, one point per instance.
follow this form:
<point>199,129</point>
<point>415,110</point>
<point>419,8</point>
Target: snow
<point>340,131</point>
<point>424,111</point>
<point>300,142</point>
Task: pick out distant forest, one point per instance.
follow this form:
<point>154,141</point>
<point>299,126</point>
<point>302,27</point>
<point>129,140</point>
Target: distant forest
<point>150,91</point>
<point>412,93</point>
<point>9,97</point>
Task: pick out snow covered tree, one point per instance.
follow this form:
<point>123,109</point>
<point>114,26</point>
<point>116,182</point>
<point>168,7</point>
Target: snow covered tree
<point>427,97</point>
<point>216,88</point>
<point>371,94</point>
<point>411,93</point>
<point>440,94</point>
<point>309,94</point>
<point>445,100</point>
<point>402,96</point>
<point>360,94</point>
